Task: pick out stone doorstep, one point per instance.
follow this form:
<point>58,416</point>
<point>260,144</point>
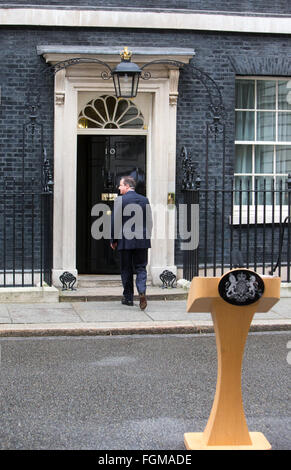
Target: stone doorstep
<point>95,281</point>
<point>115,294</point>
<point>29,294</point>
<point>53,294</point>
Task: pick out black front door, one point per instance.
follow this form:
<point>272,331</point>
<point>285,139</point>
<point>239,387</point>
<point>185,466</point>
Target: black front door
<point>102,161</point>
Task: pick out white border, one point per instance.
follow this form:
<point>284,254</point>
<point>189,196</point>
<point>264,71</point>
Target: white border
<point>146,19</point>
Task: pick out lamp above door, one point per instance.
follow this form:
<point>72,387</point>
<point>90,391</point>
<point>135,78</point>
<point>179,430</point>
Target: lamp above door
<point>126,76</point>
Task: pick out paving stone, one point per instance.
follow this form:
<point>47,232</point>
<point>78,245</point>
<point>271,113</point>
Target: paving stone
<point>44,315</point>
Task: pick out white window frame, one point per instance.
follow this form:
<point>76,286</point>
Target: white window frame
<point>257,214</point>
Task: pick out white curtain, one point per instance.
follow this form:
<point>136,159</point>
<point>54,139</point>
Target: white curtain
<point>245,100</point>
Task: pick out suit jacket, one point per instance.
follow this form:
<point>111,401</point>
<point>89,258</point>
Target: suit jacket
<point>131,222</point>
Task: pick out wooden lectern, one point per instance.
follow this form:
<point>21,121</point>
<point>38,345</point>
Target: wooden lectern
<point>232,300</point>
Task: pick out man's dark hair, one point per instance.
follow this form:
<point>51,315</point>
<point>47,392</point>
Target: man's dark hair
<point>130,181</point>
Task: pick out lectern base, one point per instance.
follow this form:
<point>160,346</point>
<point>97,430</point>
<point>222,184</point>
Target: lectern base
<point>195,441</point>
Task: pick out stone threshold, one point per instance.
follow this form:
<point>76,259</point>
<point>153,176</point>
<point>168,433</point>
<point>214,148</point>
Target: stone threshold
<point>29,294</point>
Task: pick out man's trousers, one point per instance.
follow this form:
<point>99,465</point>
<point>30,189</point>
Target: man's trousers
<point>133,261</point>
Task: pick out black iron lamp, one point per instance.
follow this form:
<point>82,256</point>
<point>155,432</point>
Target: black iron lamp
<point>126,76</point>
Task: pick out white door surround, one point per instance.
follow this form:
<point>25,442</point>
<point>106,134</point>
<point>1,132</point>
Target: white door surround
<point>159,95</point>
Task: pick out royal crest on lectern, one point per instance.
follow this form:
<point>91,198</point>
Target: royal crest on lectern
<point>241,287</point>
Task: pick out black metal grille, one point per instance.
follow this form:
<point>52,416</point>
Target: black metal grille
<point>241,226</point>
<point>25,235</point>
<point>26,209</point>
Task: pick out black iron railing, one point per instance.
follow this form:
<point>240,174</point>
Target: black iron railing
<point>26,204</point>
<point>241,225</point>
<point>25,234</point>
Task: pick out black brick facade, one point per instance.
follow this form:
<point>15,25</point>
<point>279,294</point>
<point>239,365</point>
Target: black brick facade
<point>221,55</point>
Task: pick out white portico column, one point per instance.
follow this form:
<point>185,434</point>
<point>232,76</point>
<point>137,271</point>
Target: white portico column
<point>162,177</point>
<point>64,238</point>
<point>172,222</point>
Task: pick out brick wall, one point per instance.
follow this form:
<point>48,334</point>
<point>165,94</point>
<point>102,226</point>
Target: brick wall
<point>222,56</point>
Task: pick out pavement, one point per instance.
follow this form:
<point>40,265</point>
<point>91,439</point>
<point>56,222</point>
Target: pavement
<point>87,312</point>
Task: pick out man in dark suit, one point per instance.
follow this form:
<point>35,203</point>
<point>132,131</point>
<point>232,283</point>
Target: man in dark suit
<point>131,226</point>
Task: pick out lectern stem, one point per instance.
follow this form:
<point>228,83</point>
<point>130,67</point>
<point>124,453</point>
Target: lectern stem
<point>227,423</point>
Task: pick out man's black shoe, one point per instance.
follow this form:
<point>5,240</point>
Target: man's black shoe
<point>127,302</point>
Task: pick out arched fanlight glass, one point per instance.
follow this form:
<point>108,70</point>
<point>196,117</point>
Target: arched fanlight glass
<point>108,112</point>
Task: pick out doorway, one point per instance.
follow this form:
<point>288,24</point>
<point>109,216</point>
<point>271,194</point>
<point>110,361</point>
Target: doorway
<point>101,162</point>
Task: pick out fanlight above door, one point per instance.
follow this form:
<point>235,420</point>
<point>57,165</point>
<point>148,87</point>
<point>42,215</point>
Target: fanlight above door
<point>109,112</point>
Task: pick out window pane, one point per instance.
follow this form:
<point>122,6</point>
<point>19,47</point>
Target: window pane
<point>263,188</point>
<point>284,92</point>
<point>243,190</point>
<point>244,125</point>
<point>266,94</point>
<point>284,124</point>
<point>111,105</point>
<point>245,94</point>
<point>243,159</point>
<point>283,159</point>
<point>100,108</point>
<point>266,126</point>
<point>264,159</point>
